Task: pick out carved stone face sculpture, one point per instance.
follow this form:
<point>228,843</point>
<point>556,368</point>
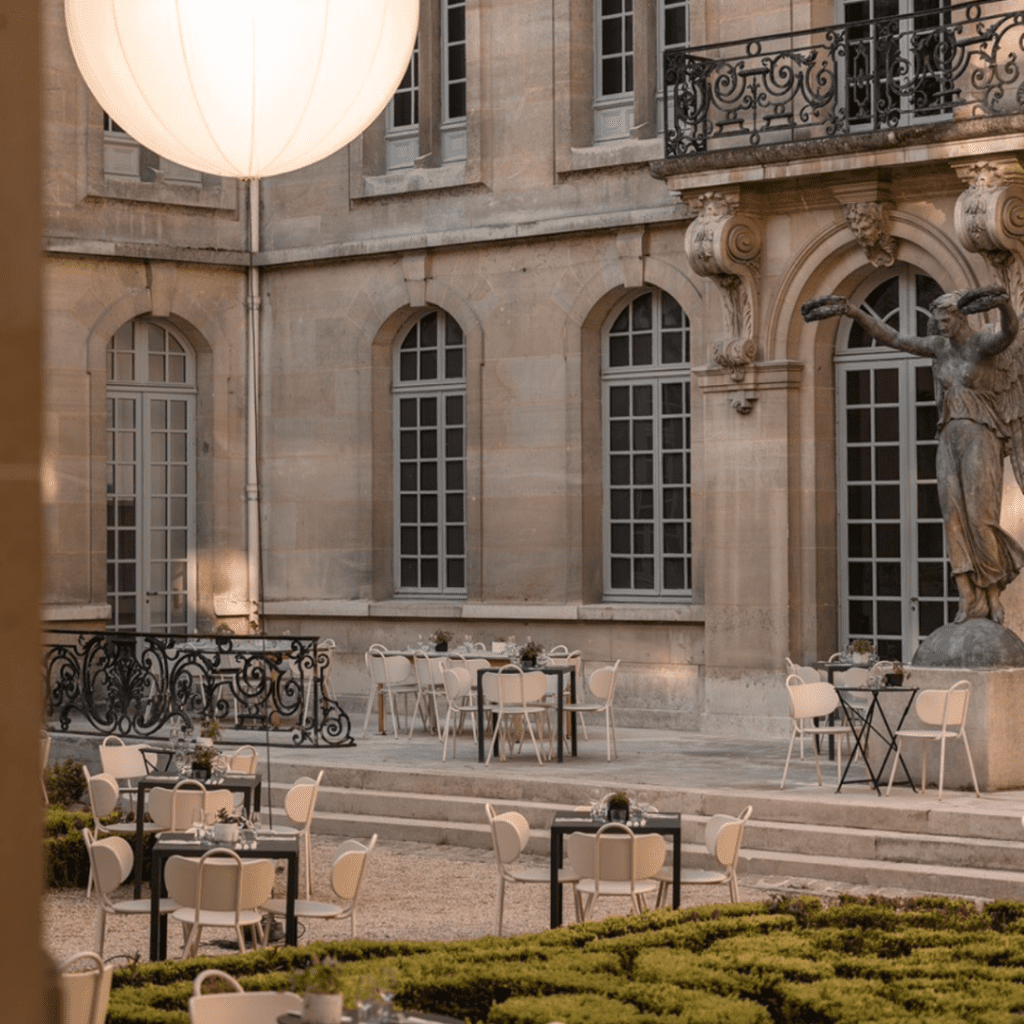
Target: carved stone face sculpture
<point>865,222</point>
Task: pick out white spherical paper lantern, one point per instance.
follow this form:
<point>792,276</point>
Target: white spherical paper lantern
<point>242,88</point>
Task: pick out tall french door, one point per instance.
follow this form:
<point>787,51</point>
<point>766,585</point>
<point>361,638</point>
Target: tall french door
<point>895,585</point>
<point>150,480</point>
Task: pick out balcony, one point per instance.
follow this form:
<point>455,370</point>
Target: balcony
<point>955,63</point>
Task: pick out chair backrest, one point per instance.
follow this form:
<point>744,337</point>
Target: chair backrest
<point>456,682</point>
<point>558,651</point>
<point>723,837</point>
<point>602,682</point>
<point>174,809</point>
<point>510,832</point>
<point>810,700</point>
<point>856,676</point>
<point>104,795</point>
<point>300,800</point>
<point>238,1006</point>
<point>945,708</point>
<point>791,667</point>
<point>122,761</point>
<point>218,800</point>
<point>220,881</point>
<point>244,760</point>
<point>878,672</point>
<point>112,861</point>
<point>808,673</point>
<point>349,867</point>
<point>85,991</point>
<point>615,854</point>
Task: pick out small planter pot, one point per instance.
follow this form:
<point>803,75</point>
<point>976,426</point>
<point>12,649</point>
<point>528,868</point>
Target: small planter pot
<point>618,814</point>
<point>528,662</point>
<point>858,658</point>
<point>442,646</point>
<point>321,1007</point>
<point>225,832</point>
<point>200,771</point>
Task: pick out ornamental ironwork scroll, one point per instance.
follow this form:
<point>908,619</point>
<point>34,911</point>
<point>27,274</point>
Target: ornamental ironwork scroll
<point>957,61</point>
<point>136,684</point>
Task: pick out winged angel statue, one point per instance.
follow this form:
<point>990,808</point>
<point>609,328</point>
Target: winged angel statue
<point>979,389</point>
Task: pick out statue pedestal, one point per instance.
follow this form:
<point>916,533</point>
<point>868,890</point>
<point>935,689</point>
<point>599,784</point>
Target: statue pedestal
<point>995,729</point>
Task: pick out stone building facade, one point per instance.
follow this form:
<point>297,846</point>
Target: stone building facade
<point>505,365</point>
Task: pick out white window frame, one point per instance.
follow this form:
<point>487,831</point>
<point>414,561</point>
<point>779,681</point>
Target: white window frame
<point>910,556</point>
<point>144,391</point>
<point>655,374</point>
<point>441,387</point>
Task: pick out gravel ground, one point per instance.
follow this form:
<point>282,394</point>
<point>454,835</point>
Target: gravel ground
<point>411,891</point>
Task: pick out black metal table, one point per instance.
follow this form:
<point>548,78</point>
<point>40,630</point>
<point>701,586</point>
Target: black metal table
<point>250,786</point>
<point>185,845</point>
<point>875,720</point>
<point>550,670</point>
<point>565,822</point>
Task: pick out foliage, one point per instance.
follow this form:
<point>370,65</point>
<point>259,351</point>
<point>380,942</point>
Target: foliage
<point>65,782</point>
<point>441,636</point>
<point>792,959</point>
<point>531,650</point>
<point>210,729</point>
<point>320,975</point>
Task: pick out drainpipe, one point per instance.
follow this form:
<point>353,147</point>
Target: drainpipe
<point>252,488</point>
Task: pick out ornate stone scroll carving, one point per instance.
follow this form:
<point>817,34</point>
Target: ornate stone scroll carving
<point>724,244</point>
<point>990,218</point>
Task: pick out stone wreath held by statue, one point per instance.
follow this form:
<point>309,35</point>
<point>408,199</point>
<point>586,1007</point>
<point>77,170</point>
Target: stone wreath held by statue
<point>979,391</point>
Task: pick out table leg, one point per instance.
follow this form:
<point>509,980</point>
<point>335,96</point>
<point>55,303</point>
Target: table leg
<point>572,700</point>
<point>556,886</point>
<point>677,868</point>
<point>157,921</point>
<point>291,923</point>
<point>480,755</point>
<point>140,803</point>
<point>559,719</point>
<point>380,711</point>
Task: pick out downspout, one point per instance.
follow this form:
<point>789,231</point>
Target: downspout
<point>252,487</point>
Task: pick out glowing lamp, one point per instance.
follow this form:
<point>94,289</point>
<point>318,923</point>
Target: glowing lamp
<point>242,88</point>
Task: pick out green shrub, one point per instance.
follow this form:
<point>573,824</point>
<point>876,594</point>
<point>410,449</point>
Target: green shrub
<point>930,961</point>
<point>65,782</point>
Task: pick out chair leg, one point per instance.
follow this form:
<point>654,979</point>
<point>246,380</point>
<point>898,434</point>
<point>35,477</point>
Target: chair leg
<point>101,928</point>
<point>789,754</point>
<point>501,902</point>
<point>895,761</point>
<point>370,701</point>
<point>970,763</point>
<point>942,763</point>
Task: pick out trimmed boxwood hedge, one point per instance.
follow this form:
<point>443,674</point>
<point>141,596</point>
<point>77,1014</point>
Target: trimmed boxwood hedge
<point>793,961</point>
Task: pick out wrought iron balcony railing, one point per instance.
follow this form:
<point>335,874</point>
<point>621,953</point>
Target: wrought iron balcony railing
<point>136,684</point>
<point>953,62</point>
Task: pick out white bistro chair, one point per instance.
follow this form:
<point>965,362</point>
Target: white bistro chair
<point>391,676</point>
<point>347,873</point>
<point>460,694</point>
<point>602,693</point>
<point>110,863</point>
<point>85,990</point>
<point>947,710</point>
<point>218,890</point>
<point>510,832</point>
<point>238,1006</point>
<point>615,862</point>
<point>518,697</point>
<point>300,805</point>
<point>723,837</point>
<point>807,702</point>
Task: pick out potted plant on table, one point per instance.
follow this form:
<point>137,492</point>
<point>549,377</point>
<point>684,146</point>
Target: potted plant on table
<point>206,752</point>
<point>529,653</point>
<point>861,651</point>
<point>618,807</point>
<point>320,987</point>
<point>894,677</point>
<point>440,639</point>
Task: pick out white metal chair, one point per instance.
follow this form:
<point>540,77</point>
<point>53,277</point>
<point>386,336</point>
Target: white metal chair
<point>244,761</point>
<point>430,686</point>
<point>218,890</point>
<point>615,862</point>
<point>602,688</point>
<point>176,809</point>
<point>104,798</point>
<point>347,873</point>
<point>561,655</point>
<point>510,832</point>
<point>460,694</point>
<point>518,696</point>
<point>238,1006</point>
<point>390,675</point>
<point>127,763</point>
<point>808,701</point>
<point>946,709</point>
<point>723,837</point>
<point>299,805</point>
<point>85,991</point>
<point>110,863</point>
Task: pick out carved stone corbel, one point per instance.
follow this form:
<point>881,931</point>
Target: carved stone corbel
<point>724,244</point>
<point>989,218</point>
<point>866,208</point>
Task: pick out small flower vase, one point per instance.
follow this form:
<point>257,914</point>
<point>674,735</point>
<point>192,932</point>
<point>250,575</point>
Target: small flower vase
<point>321,1007</point>
<point>225,832</point>
<point>528,662</point>
<point>618,812</point>
<point>441,645</point>
<point>200,771</point>
<point>860,657</point>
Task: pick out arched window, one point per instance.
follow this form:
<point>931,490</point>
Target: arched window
<point>429,399</point>
<point>150,479</point>
<point>894,582</point>
<point>646,413</point>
